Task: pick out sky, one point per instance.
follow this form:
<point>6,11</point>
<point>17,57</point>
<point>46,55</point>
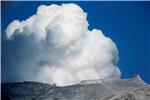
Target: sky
<point>126,23</point>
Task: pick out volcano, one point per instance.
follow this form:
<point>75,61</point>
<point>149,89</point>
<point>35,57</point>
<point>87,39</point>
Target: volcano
<point>112,89</point>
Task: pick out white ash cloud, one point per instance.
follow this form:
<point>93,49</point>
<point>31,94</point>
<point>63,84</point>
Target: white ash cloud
<point>55,46</point>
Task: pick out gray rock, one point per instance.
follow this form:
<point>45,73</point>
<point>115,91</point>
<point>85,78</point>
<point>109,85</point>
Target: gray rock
<point>111,89</point>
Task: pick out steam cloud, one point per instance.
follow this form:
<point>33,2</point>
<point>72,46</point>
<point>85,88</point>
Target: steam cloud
<point>55,46</point>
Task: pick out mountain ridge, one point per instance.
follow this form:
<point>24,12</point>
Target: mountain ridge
<point>113,89</point>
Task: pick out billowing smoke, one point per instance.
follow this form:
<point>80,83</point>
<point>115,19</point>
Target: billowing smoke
<point>55,46</point>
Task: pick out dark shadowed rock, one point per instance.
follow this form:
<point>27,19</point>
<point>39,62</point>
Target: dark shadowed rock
<point>112,89</point>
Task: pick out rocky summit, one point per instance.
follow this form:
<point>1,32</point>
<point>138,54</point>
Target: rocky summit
<point>112,89</point>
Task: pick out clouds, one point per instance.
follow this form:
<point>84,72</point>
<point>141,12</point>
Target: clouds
<point>55,46</point>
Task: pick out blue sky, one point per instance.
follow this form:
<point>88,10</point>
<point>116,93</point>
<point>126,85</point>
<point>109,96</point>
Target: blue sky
<point>126,23</point>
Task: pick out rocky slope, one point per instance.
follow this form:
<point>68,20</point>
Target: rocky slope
<point>113,89</point>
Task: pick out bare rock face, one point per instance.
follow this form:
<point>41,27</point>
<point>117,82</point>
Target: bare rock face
<point>112,89</point>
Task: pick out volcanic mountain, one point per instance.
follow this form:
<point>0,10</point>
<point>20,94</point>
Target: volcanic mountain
<point>112,89</point>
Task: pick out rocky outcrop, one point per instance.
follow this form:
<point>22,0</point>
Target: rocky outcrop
<point>112,89</point>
